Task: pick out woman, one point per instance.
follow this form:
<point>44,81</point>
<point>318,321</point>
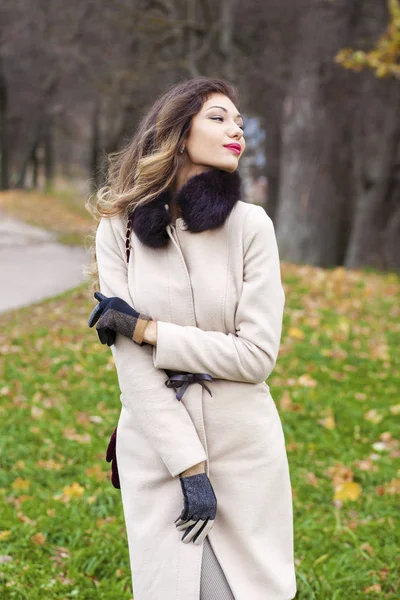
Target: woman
<point>191,281</point>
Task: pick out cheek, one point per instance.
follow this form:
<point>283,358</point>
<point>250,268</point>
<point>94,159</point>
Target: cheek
<point>202,139</point>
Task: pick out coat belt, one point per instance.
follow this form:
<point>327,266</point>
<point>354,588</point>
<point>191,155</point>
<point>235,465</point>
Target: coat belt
<point>178,379</point>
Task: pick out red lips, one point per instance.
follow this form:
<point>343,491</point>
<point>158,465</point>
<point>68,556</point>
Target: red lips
<point>236,147</point>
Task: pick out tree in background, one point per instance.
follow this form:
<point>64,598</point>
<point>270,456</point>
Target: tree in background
<point>76,77</point>
<point>384,58</point>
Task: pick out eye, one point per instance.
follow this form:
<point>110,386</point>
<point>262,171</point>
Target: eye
<point>219,117</point>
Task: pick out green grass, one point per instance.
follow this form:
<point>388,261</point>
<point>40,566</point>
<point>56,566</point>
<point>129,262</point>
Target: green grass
<point>60,211</point>
<point>336,383</point>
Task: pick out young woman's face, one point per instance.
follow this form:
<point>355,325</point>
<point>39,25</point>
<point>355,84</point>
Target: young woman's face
<point>215,126</point>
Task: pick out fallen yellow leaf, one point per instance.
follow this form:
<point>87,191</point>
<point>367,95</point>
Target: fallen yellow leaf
<point>96,472</point>
<point>21,484</point>
<point>286,403</point>
<point>296,333</point>
<point>373,588</point>
<point>49,465</point>
<point>328,422</point>
<point>4,535</point>
<point>339,474</point>
<point>36,412</point>
<point>39,539</point>
<point>74,490</point>
<point>306,381</point>
<point>349,490</point>
<point>71,434</point>
<point>24,519</point>
<point>373,416</point>
<point>368,548</point>
<point>393,486</point>
<point>103,521</point>
<point>311,479</point>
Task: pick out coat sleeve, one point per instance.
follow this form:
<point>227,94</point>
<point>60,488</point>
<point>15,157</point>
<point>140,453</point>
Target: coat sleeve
<point>165,421</point>
<point>249,355</point>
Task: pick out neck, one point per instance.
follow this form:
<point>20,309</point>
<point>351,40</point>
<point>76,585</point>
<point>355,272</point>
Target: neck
<point>186,172</point>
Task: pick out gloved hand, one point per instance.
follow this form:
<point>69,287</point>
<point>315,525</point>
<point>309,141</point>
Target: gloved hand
<point>114,315</point>
<point>111,456</point>
<point>200,508</point>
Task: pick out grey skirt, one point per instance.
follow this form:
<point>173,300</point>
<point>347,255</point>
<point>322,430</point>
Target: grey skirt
<point>213,583</point>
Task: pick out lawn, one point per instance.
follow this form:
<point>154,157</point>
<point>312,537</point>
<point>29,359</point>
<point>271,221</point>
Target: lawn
<point>60,210</point>
<point>336,385</point>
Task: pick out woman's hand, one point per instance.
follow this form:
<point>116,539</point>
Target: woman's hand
<point>114,315</point>
<point>200,508</point>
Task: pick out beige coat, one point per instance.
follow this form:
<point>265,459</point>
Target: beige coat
<point>218,299</point>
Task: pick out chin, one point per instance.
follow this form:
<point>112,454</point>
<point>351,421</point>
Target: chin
<point>223,166</point>
<point>228,168</point>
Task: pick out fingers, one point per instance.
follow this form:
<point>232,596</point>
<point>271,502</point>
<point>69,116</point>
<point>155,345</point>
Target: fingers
<point>95,315</point>
<point>111,337</point>
<point>191,532</point>
<point>99,296</point>
<point>96,312</point>
<point>106,336</point>
<point>181,519</point>
<point>103,336</point>
<point>199,539</point>
<point>198,532</point>
<point>185,524</point>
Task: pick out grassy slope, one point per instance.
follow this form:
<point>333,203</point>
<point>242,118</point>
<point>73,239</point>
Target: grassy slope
<point>336,386</point>
<point>60,211</point>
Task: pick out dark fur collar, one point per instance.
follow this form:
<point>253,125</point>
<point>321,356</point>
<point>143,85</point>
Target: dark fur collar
<point>205,201</point>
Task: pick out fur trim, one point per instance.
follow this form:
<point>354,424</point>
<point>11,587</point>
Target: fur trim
<point>205,200</point>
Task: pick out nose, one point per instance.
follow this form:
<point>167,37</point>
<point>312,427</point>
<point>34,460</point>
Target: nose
<point>237,132</point>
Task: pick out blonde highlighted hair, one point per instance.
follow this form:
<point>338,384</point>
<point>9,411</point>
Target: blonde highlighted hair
<point>150,161</point>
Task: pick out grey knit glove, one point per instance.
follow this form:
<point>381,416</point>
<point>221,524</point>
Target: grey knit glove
<point>200,508</point>
<point>114,315</point>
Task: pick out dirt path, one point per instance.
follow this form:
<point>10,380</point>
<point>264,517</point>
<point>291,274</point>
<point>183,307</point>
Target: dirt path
<point>33,265</point>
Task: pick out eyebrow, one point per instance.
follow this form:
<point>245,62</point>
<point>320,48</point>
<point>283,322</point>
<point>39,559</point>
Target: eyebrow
<point>223,108</point>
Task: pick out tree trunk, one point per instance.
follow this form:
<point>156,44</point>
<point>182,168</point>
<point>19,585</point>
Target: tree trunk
<point>4,182</point>
<point>47,138</point>
<point>391,248</point>
<point>35,167</point>
<point>28,157</point>
<point>95,149</point>
<point>226,42</point>
<point>311,198</point>
<point>273,157</point>
<point>376,136</point>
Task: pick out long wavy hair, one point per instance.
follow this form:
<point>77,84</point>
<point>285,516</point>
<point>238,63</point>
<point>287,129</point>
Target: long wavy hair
<point>150,161</point>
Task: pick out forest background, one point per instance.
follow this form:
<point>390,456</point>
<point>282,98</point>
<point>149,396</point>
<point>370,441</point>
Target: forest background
<point>323,122</point>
